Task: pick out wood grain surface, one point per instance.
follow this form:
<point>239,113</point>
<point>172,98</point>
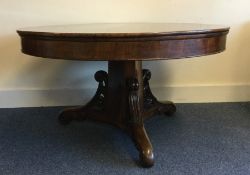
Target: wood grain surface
<point>144,41</point>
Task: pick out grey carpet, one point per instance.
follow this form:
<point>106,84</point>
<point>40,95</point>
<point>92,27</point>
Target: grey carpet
<point>201,139</point>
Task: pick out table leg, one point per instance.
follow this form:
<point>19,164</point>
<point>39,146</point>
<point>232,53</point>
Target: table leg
<point>123,99</point>
<point>151,105</point>
<point>93,109</point>
<point>136,128</point>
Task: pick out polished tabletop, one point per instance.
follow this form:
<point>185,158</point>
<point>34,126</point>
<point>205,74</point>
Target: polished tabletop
<point>120,29</point>
<point>123,41</point>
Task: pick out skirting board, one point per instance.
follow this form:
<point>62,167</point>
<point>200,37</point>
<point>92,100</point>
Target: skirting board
<point>70,97</point>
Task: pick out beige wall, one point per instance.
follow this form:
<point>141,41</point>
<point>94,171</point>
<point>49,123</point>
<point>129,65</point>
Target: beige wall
<point>223,77</point>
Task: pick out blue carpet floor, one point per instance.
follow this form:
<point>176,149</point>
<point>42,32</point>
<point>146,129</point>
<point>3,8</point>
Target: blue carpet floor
<point>201,139</point>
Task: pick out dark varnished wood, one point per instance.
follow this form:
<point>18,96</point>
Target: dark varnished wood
<point>123,97</point>
<point>94,108</point>
<point>151,105</point>
<point>124,42</point>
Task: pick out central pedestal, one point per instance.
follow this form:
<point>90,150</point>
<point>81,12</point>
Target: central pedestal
<point>123,99</point>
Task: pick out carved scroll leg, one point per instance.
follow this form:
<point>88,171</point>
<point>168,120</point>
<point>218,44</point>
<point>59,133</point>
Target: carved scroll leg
<point>95,105</point>
<point>143,145</point>
<point>151,102</point>
<point>137,129</point>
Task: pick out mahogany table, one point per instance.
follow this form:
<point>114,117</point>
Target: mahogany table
<point>123,97</point>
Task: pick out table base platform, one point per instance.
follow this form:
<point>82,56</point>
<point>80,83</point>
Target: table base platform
<point>123,99</point>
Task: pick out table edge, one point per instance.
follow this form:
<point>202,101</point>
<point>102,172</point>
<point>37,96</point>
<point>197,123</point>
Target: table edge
<point>121,35</point>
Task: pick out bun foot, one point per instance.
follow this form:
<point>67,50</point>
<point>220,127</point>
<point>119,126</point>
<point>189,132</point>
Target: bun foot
<point>170,109</point>
<point>64,119</point>
<point>147,158</point>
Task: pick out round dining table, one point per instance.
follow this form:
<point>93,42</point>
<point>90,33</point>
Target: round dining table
<point>123,97</point>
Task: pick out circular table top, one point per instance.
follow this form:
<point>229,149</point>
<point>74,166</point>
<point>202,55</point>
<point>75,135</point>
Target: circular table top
<point>127,41</point>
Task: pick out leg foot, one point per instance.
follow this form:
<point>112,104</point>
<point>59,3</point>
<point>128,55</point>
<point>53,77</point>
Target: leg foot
<point>167,108</point>
<point>143,145</point>
<point>64,119</point>
<point>70,114</point>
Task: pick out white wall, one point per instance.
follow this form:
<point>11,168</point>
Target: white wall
<point>30,81</point>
